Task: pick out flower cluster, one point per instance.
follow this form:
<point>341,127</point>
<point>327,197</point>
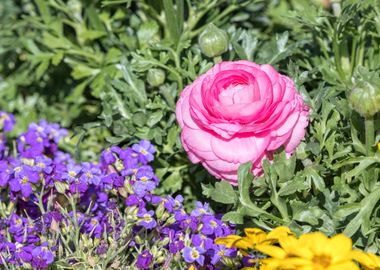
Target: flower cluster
<point>55,209</point>
<point>281,249</point>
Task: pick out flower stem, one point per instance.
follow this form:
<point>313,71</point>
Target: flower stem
<point>369,133</point>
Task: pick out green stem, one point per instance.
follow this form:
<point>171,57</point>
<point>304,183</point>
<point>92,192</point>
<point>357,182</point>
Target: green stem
<point>369,133</point>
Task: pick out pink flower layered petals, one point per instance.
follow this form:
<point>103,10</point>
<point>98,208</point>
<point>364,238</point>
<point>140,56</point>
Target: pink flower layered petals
<point>239,112</point>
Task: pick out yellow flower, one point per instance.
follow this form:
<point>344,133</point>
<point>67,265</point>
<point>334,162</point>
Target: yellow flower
<point>315,251</point>
<point>278,254</point>
<point>378,146</point>
<point>278,233</point>
<point>254,237</point>
<point>228,241</point>
<point>369,260</point>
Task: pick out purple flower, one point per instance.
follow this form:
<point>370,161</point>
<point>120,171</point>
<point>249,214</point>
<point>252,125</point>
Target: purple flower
<point>24,182</point>
<point>221,251</point>
<point>200,209</point>
<point>200,240</point>
<point>210,224</point>
<point>173,204</point>
<point>30,144</point>
<point>107,157</point>
<point>194,254</point>
<point>42,256</point>
<point>94,227</point>
<point>5,173</point>
<point>43,164</point>
<point>71,173</point>
<point>90,174</point>
<point>189,222</point>
<point>147,220</point>
<point>144,260</point>
<point>145,151</point>
<point>7,121</point>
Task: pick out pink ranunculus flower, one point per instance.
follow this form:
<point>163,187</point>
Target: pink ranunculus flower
<point>239,112</point>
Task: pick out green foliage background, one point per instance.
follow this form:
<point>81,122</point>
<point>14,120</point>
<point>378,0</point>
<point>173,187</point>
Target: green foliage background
<point>84,64</point>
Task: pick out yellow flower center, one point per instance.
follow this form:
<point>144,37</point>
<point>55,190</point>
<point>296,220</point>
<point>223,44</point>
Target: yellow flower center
<point>17,169</point>
<point>194,254</point>
<point>39,139</point>
<point>143,151</point>
<point>72,173</point>
<point>41,165</point>
<point>24,180</point>
<point>147,218</point>
<point>322,260</point>
<point>94,222</point>
<point>89,175</point>
<point>144,179</point>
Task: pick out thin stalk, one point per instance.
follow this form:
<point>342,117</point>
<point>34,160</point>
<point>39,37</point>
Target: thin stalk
<point>369,133</point>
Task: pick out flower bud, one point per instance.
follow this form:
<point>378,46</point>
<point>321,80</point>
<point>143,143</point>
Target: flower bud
<point>61,187</point>
<point>160,211</point>
<point>365,99</point>
<point>213,41</point>
<point>155,77</point>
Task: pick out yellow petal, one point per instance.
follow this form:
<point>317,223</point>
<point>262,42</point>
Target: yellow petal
<point>272,251</point>
<point>278,232</point>
<point>344,266</point>
<point>253,231</point>
<point>228,241</point>
<point>315,241</point>
<point>369,260</point>
<point>243,243</point>
<point>339,248</point>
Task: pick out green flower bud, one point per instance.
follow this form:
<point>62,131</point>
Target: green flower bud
<point>155,77</point>
<point>160,211</point>
<point>61,187</point>
<point>213,41</point>
<point>365,99</point>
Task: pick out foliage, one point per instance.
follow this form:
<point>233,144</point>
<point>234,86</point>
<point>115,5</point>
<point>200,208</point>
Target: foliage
<point>331,183</point>
<point>87,62</point>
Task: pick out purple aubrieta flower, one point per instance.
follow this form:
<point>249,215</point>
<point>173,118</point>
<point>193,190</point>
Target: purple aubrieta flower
<point>90,173</point>
<point>210,224</point>
<point>7,121</point>
<point>200,240</point>
<point>23,182</point>
<point>194,254</point>
<point>71,173</point>
<point>145,151</point>
<point>201,209</point>
<point>146,219</point>
<point>144,260</point>
<point>43,164</point>
<point>30,144</point>
<point>50,131</point>
<point>42,256</point>
<point>172,204</point>
<point>107,156</point>
<point>221,251</point>
<point>5,173</point>
<point>93,226</point>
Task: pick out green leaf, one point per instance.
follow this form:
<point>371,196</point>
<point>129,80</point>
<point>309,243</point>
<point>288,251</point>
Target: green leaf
<point>147,32</point>
<point>224,193</point>
<point>207,190</point>
<point>367,206</point>
<point>154,118</point>
<point>173,182</point>
<point>233,217</point>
